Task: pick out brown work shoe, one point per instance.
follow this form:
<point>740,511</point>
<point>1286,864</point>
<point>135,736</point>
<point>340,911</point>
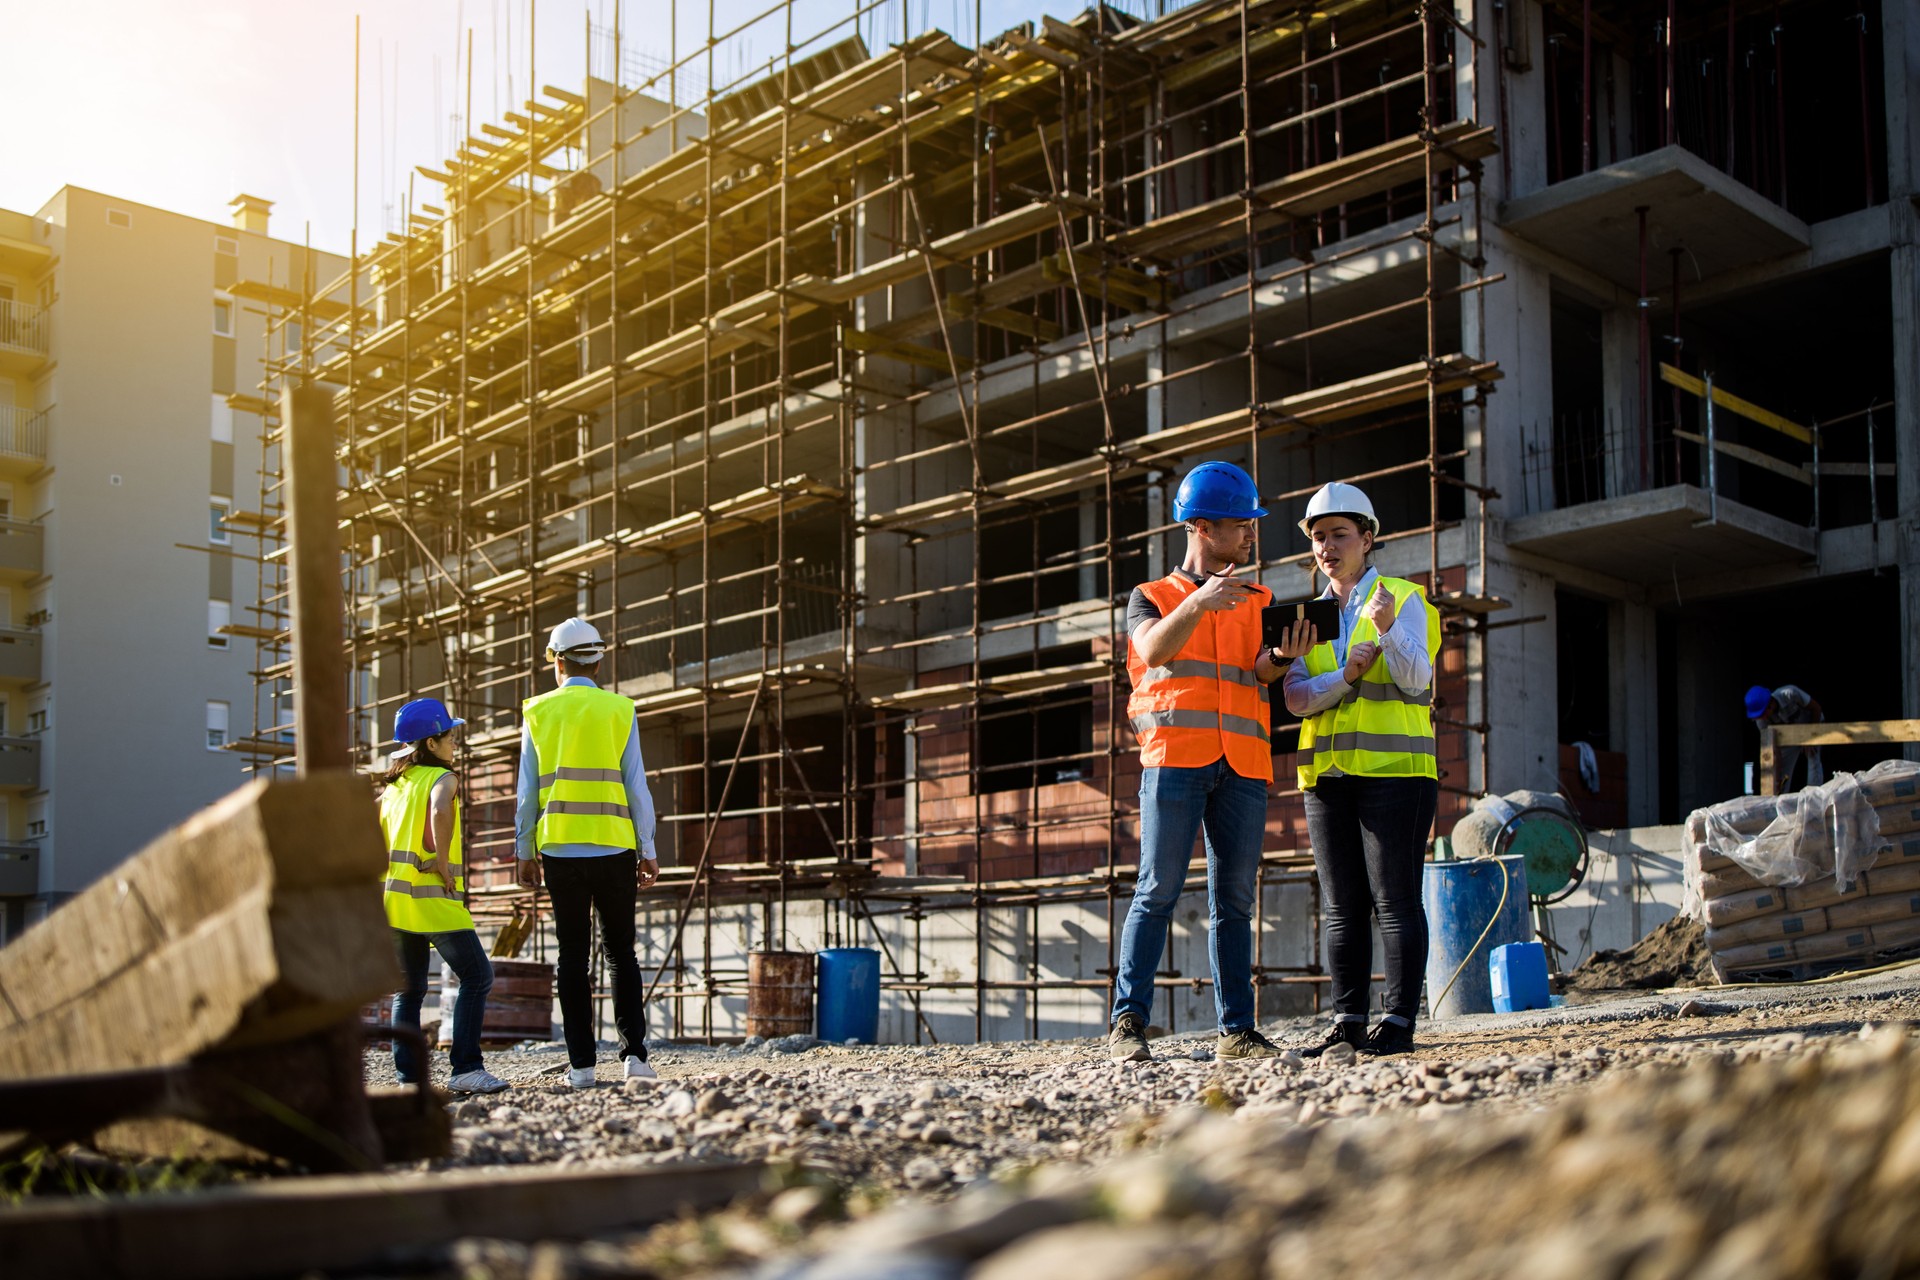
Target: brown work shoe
<point>1247,1043</point>
<point>1127,1041</point>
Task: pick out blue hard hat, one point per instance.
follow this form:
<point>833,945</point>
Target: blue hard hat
<point>423,718</point>
<point>1758,699</point>
<point>1217,491</point>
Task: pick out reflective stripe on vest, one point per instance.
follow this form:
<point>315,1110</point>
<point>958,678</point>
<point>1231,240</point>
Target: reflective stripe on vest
<point>1377,730</point>
<point>416,899</point>
<point>1205,702</point>
<point>584,800</point>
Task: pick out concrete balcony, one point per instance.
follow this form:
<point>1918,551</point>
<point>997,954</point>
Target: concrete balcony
<point>19,764</point>
<point>19,655</point>
<point>20,549</point>
<point>23,435</point>
<point>25,336</point>
<point>19,870</point>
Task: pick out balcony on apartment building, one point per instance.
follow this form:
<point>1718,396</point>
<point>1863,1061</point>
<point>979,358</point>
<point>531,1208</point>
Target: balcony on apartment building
<point>19,870</point>
<point>24,336</point>
<point>23,436</point>
<point>19,655</point>
<point>19,764</point>
<point>20,549</point>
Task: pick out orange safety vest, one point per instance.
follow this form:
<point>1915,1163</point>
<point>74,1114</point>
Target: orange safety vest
<point>1206,702</point>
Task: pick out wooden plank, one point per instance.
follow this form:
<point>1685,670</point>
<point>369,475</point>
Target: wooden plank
<point>256,920</point>
<point>299,1226</point>
<point>1840,732</point>
<point>322,728</point>
<point>1753,457</point>
<point>1734,404</point>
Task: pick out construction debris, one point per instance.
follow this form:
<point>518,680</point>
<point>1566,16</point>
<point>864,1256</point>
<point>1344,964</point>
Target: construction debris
<point>1673,955</point>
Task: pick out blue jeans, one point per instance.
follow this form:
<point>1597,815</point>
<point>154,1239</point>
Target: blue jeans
<point>462,950</point>
<point>1175,806</point>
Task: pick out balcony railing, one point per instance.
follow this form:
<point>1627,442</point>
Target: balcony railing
<point>19,654</point>
<point>20,546</point>
<point>23,327</point>
<point>23,433</point>
<point>19,764</point>
<point>19,870</point>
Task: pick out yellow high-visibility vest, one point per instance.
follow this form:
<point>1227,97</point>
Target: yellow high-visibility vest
<point>1378,730</point>
<point>579,734</point>
<point>417,899</point>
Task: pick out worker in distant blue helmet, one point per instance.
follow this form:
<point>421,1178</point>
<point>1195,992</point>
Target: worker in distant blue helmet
<point>1200,673</point>
<point>1789,704</point>
<point>426,892</point>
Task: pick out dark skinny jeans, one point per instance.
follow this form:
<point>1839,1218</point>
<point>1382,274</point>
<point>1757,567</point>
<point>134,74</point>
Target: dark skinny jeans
<point>462,951</point>
<point>1369,841</point>
<point>581,888</point>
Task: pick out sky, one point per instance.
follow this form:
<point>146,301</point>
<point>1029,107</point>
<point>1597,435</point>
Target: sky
<point>185,105</point>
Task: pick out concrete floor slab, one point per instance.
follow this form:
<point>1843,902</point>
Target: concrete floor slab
<point>1660,535</point>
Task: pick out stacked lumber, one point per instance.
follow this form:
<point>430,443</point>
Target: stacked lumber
<point>1753,926</point>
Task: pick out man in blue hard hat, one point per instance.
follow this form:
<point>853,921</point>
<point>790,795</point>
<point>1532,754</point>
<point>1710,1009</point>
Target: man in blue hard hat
<point>1789,704</point>
<point>1199,708</point>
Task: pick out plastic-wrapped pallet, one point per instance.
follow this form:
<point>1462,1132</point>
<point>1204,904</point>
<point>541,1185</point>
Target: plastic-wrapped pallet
<point>1831,873</point>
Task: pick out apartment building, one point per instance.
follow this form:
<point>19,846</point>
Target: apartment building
<point>130,455</point>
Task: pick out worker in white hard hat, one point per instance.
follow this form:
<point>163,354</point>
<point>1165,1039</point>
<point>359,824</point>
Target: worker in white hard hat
<point>584,823</point>
<point>1368,768</point>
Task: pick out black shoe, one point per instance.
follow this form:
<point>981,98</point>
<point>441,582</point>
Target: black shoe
<point>1246,1043</point>
<point>1388,1038</point>
<point>1127,1041</point>
<point>1353,1033</point>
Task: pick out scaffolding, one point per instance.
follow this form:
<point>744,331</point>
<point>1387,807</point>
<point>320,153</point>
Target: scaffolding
<point>842,395</point>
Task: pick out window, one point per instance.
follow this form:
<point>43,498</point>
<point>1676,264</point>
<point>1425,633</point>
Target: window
<point>218,509</point>
<point>226,244</point>
<point>119,218</point>
<point>222,420</point>
<point>223,317</point>
<point>36,828</point>
<point>216,725</point>
<point>219,614</point>
<point>36,722</point>
<point>47,294</point>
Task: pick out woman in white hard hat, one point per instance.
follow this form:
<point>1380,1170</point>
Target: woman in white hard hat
<point>426,891</point>
<point>1367,766</point>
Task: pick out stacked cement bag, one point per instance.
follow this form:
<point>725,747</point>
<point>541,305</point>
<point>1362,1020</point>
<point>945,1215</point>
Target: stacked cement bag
<point>1831,873</point>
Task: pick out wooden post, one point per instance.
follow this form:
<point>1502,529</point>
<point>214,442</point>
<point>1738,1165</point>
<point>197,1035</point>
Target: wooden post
<point>1765,779</point>
<point>321,731</point>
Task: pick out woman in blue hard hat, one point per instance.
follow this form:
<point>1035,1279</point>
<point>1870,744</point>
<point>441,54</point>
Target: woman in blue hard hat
<point>1368,769</point>
<point>426,891</point>
<point>1789,704</point>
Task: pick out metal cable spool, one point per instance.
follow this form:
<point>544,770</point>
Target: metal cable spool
<point>1551,845</point>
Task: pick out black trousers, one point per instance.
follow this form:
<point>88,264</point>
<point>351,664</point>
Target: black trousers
<point>1369,840</point>
<point>581,888</point>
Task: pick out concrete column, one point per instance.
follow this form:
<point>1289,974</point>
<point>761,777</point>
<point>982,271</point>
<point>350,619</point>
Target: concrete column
<point>1900,26</point>
<point>1635,711</point>
<point>1620,374</point>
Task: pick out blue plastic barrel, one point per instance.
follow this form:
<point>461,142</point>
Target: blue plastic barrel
<point>849,991</point>
<point>1460,899</point>
<point>1518,972</point>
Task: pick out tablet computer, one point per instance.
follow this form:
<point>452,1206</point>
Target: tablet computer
<point>1276,618</point>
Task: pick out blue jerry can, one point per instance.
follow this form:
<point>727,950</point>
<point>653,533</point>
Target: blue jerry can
<point>1518,974</point>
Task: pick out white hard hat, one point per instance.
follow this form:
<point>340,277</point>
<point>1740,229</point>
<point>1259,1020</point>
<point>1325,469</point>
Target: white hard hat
<point>578,639</point>
<point>1340,499</point>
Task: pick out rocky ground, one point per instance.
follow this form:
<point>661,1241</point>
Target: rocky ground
<point>883,1148</point>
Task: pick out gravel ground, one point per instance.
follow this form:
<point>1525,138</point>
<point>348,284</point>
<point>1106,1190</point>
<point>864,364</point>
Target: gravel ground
<point>935,1119</point>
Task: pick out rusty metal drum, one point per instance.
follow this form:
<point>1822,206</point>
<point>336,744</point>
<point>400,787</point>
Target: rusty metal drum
<point>779,993</point>
<point>520,1006</point>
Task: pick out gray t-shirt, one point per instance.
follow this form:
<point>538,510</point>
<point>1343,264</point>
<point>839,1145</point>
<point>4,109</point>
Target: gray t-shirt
<point>1141,608</point>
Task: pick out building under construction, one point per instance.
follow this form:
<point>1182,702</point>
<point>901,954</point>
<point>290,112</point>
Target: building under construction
<point>846,395</point>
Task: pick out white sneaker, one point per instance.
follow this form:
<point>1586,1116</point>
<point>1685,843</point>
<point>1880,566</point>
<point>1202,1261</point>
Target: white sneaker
<point>640,1069</point>
<point>580,1077</point>
<point>477,1081</point>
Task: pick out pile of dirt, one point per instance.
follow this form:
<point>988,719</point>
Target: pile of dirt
<point>1673,955</point>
